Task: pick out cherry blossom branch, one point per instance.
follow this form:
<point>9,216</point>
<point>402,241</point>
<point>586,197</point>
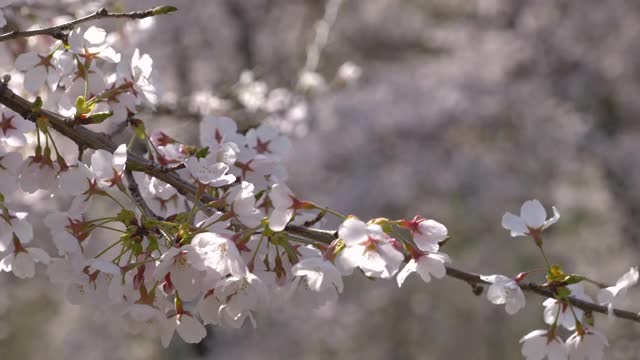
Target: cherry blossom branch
<point>134,190</point>
<point>475,280</point>
<point>84,137</point>
<point>58,31</point>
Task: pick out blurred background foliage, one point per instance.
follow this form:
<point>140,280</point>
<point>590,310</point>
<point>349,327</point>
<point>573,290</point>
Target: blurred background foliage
<point>465,109</point>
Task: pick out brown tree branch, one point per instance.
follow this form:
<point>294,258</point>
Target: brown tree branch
<point>58,31</point>
<point>134,190</point>
<point>86,138</point>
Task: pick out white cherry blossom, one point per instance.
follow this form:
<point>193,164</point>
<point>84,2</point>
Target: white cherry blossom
<point>539,344</point>
<point>258,169</point>
<point>368,248</point>
<point>38,173</point>
<point>209,308</point>
<point>566,318</point>
<point>244,204</point>
<point>107,167</point>
<point>103,281</point>
<point>209,171</point>
<point>240,296</point>
<point>321,274</point>
<point>78,179</point>
<point>587,346</point>
<point>16,225</point>
<point>81,76</point>
<point>91,42</point>
<point>137,73</point>
<point>67,232</point>
<point>10,163</point>
<point>144,319</point>
<point>267,141</point>
<point>121,105</point>
<point>38,70</point>
<point>532,219</point>
<point>188,327</point>
<point>21,261</point>
<point>13,128</point>
<point>427,233</point>
<point>219,253</point>
<point>609,295</point>
<point>184,268</point>
<point>505,290</point>
<point>216,131</point>
<point>425,265</point>
<point>284,206</point>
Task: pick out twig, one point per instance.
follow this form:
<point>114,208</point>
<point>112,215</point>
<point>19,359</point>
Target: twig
<point>85,137</point>
<point>137,196</point>
<point>475,280</point>
<point>321,36</point>
<point>93,140</point>
<point>540,290</point>
<point>58,31</point>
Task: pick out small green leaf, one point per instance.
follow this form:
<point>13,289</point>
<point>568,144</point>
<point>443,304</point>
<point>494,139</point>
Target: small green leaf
<point>573,279</point>
<point>163,10</point>
<point>202,153</point>
<point>97,118</point>
<point>37,104</point>
<point>182,218</point>
<point>126,217</point>
<point>80,103</point>
<point>138,128</point>
<point>82,108</point>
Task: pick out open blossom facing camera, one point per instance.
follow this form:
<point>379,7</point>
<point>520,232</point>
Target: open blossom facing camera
<point>426,265</point>
<point>285,205</point>
<point>13,128</point>
<point>368,248</point>
<point>505,290</point>
<point>39,68</point>
<point>209,171</point>
<point>532,219</point>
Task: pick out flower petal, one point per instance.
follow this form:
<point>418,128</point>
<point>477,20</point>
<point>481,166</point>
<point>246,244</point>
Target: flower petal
<point>533,214</point>
<point>514,224</point>
<point>553,220</point>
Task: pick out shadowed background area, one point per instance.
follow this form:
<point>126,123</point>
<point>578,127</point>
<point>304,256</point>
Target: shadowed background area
<point>465,109</point>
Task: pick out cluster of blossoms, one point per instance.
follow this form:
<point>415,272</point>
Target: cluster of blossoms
<point>184,262</point>
<point>586,342</point>
<point>175,261</point>
<point>194,264</point>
